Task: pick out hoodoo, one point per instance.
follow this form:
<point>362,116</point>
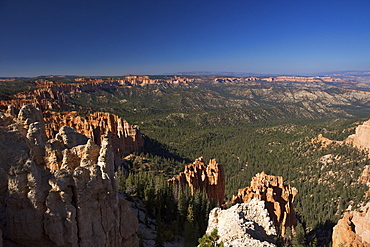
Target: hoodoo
<point>279,199</point>
<point>199,176</point>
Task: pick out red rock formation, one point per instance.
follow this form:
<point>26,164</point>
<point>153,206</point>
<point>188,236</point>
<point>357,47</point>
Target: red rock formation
<point>353,229</point>
<point>304,79</point>
<point>125,138</point>
<point>144,80</point>
<point>199,176</point>
<point>278,196</point>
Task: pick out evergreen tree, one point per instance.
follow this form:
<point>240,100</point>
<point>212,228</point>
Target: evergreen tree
<point>210,240</point>
<point>299,238</point>
<point>191,229</point>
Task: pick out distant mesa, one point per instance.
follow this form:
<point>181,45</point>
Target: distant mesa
<point>302,79</point>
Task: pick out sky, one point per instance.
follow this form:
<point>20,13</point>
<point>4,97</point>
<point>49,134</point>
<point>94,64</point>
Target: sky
<point>117,37</point>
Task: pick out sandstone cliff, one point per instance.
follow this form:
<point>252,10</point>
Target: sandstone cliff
<point>199,176</point>
<point>74,203</point>
<point>279,199</point>
<point>353,229</point>
<point>246,224</point>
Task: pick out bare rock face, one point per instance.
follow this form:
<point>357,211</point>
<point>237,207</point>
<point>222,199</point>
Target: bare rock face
<point>246,224</point>
<point>75,202</point>
<point>279,199</point>
<point>199,176</point>
<point>30,114</point>
<point>125,138</point>
<point>70,137</point>
<point>353,229</point>
<point>69,150</point>
<point>361,138</point>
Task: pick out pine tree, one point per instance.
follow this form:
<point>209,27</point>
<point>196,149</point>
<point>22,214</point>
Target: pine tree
<point>210,240</point>
<point>299,238</point>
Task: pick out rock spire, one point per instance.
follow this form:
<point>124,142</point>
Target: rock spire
<point>201,177</point>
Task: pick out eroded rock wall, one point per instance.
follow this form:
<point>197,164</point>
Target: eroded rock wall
<point>125,138</point>
<point>74,203</point>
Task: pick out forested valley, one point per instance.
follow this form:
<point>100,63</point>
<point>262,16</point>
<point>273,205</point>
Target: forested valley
<point>248,129</point>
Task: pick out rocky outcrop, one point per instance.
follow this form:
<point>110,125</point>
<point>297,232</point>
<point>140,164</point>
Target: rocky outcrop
<point>125,138</point>
<point>324,142</point>
<point>200,177</point>
<point>75,204</point>
<point>145,80</point>
<point>353,229</point>
<point>361,138</point>
<point>278,196</point>
<point>246,224</point>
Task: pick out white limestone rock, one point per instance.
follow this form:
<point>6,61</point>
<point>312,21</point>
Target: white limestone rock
<point>246,224</point>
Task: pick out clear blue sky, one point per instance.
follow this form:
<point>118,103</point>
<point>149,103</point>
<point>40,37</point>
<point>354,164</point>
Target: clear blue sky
<point>116,37</point>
